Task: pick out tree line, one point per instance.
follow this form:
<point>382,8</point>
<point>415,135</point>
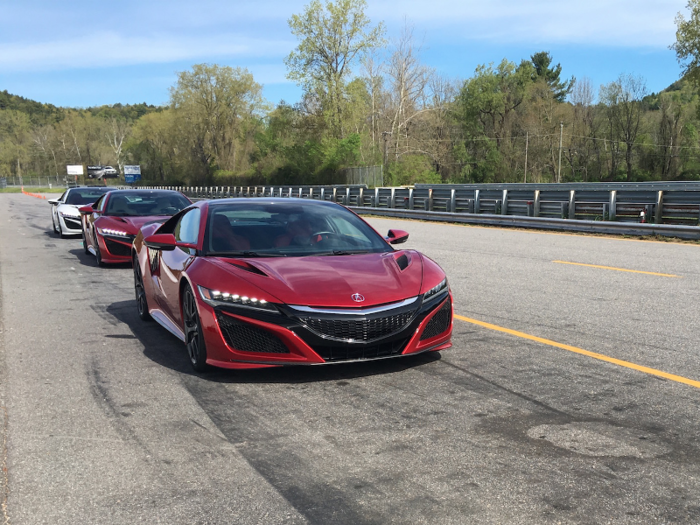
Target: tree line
<point>371,101</point>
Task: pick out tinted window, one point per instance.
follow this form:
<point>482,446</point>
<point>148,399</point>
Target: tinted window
<point>140,204</point>
<point>187,228</point>
<point>84,196</point>
<point>99,204</point>
<point>288,229</point>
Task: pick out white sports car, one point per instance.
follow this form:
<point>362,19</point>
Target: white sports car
<point>64,210</point>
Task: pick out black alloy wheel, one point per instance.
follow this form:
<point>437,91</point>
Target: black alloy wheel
<point>60,229</point>
<point>98,254</point>
<point>194,337</point>
<point>141,301</point>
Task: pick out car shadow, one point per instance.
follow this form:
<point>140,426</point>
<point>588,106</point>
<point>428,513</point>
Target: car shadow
<point>89,260</point>
<point>165,349</point>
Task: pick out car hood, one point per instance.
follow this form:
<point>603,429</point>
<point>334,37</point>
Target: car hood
<point>331,281</point>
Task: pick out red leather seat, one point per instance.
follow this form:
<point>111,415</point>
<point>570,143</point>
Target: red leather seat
<point>224,239</point>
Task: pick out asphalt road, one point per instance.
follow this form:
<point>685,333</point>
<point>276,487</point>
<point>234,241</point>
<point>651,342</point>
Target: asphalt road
<point>104,422</point>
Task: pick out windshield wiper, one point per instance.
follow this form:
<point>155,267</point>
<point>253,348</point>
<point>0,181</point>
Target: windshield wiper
<point>345,252</point>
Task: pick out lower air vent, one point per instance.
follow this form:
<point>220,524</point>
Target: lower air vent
<point>360,352</point>
<point>247,338</point>
<point>439,323</point>
<point>73,224</point>
<point>117,248</point>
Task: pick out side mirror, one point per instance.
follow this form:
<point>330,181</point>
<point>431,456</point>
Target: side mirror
<point>397,237</point>
<point>85,210</point>
<point>161,241</point>
<point>53,202</point>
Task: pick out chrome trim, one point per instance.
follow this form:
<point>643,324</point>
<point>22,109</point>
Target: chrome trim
<point>353,311</point>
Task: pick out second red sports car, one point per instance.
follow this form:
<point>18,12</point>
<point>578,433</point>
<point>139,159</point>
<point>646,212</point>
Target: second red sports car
<point>112,222</point>
<point>248,283</point>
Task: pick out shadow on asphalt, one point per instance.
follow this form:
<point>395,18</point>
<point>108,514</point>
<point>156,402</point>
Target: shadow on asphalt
<point>166,350</point>
<point>89,260</point>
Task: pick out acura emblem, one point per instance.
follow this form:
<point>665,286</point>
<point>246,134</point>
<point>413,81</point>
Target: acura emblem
<point>358,298</point>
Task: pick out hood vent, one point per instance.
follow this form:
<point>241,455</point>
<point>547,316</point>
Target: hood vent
<point>247,267</point>
<point>402,261</point>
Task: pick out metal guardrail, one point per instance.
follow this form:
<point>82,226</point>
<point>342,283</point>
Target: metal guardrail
<point>669,209</point>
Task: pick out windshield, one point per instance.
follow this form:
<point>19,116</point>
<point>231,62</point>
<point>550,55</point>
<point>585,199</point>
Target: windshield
<point>142,204</point>
<point>294,230</point>
<point>85,196</point>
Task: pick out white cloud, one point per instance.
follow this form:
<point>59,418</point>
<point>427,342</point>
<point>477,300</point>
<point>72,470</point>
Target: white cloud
<point>624,23</point>
<point>113,49</point>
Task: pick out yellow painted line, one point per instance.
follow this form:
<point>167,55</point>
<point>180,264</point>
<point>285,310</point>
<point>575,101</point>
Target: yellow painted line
<point>618,269</point>
<point>581,351</point>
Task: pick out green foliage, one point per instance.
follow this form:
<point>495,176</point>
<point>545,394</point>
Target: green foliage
<point>560,89</point>
<point>412,169</point>
<point>687,45</point>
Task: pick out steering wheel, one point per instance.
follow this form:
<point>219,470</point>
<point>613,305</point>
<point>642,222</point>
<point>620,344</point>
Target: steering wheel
<point>321,236</point>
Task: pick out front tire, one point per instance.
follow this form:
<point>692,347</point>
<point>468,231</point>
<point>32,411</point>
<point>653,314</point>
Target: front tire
<point>98,254</point>
<point>85,246</point>
<point>60,229</point>
<point>141,301</point>
<point>53,223</point>
<point>194,337</point>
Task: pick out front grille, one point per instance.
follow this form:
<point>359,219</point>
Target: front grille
<point>439,323</point>
<point>358,329</point>
<point>359,352</point>
<point>117,248</point>
<point>248,338</point>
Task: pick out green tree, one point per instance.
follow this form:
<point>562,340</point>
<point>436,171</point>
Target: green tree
<point>542,62</point>
<point>687,45</point>
<point>332,36</point>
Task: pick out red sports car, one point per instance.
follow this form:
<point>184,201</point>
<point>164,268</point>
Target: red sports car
<point>248,283</point>
<point>112,222</point>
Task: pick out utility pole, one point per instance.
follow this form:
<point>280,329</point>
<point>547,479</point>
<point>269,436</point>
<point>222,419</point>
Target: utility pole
<point>561,136</point>
<point>527,140</point>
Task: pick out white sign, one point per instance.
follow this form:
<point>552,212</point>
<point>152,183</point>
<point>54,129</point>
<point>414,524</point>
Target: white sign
<point>75,170</point>
<point>132,170</point>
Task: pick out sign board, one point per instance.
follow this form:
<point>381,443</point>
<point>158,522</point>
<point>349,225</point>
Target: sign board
<point>132,173</point>
<point>74,169</point>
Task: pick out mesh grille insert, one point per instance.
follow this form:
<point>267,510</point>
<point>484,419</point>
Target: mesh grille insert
<point>248,338</point>
<point>439,323</point>
<point>117,248</point>
<point>358,329</point>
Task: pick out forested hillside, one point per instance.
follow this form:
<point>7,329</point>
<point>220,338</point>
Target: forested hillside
<point>368,101</point>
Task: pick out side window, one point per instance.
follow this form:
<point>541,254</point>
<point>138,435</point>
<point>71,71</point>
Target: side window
<point>187,228</point>
<point>62,197</point>
<point>99,204</point>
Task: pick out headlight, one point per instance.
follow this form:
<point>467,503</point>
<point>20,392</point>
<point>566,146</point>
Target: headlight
<point>218,298</point>
<point>108,231</point>
<point>69,215</point>
<point>435,291</point>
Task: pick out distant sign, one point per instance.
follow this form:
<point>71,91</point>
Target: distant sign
<point>75,169</point>
<point>132,173</point>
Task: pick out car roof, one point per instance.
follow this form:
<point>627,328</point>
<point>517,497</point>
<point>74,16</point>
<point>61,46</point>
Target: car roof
<point>270,200</point>
<point>142,192</point>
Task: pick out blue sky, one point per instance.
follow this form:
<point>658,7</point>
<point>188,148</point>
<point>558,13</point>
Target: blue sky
<point>82,53</point>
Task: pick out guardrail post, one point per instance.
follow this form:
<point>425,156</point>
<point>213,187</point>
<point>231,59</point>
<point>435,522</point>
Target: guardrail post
<point>323,193</point>
<point>659,211</point>
<point>361,198</point>
<point>347,196</point>
<point>572,204</point>
<point>504,206</point>
<point>335,194</point>
<point>477,202</point>
<point>453,201</point>
<point>311,193</point>
<point>613,205</point>
<point>536,205</point>
<point>410,199</point>
<point>391,202</point>
<point>375,202</point>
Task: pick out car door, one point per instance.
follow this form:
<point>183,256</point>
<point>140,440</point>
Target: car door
<point>54,207</point>
<point>174,262</point>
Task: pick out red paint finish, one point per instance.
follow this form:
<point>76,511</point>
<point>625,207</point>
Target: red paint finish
<point>320,282</point>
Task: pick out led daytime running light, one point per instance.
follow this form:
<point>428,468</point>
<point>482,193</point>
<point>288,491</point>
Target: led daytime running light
<point>69,215</point>
<point>218,298</point>
<point>109,231</point>
<point>433,292</point>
